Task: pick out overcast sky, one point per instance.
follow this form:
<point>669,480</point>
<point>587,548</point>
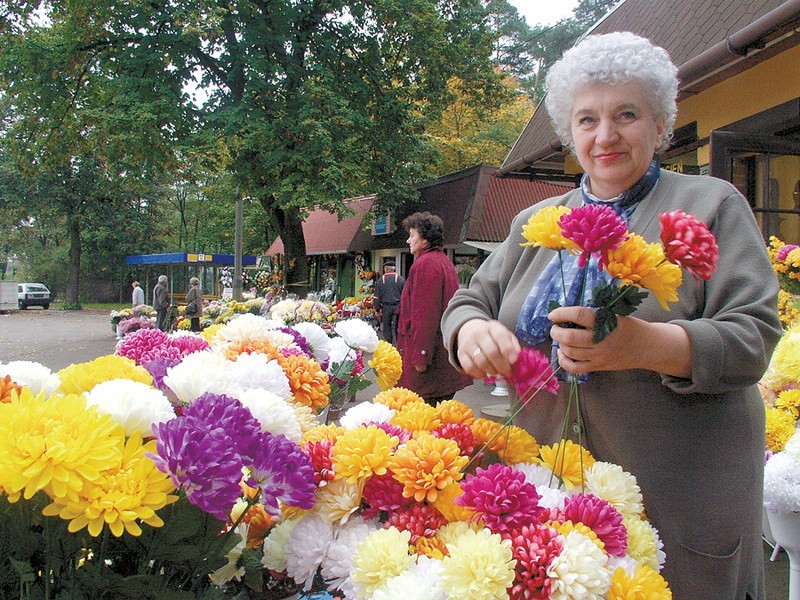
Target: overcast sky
<point>544,12</point>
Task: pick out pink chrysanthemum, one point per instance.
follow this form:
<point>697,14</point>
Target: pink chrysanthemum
<point>531,372</point>
<point>534,548</point>
<point>291,351</point>
<point>393,430</point>
<point>602,518</point>
<point>689,244</point>
<point>784,252</point>
<point>422,520</point>
<point>382,493</point>
<point>461,433</point>
<point>595,228</point>
<point>138,345</point>
<point>501,497</point>
<point>321,453</point>
<point>187,344</point>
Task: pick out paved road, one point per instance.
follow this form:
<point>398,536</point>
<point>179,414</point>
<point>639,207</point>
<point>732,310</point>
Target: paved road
<point>55,338</point>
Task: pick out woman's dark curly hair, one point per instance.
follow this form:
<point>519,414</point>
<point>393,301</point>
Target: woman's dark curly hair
<point>428,226</point>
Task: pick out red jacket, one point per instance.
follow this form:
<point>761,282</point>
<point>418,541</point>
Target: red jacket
<point>431,282</point>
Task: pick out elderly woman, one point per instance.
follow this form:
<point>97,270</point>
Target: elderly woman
<point>670,396</point>
<point>194,304</point>
<point>432,281</point>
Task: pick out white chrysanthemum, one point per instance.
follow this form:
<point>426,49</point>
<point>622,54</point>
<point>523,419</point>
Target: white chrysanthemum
<point>782,483</point>
<point>379,557</point>
<point>792,447</point>
<point>397,588</point>
<point>275,545</point>
<point>338,562</point>
<point>428,568</point>
<point>198,373</point>
<point>552,498</point>
<point>134,405</point>
<point>538,475</point>
<point>274,414</point>
<point>305,415</point>
<point>284,311</point>
<point>317,339</point>
<point>244,327</point>
<point>338,353</point>
<point>449,532</point>
<point>306,548</point>
<point>33,375</point>
<point>366,412</point>
<point>230,571</point>
<point>579,571</point>
<point>358,334</point>
<point>626,563</point>
<point>615,485</point>
<point>280,339</point>
<point>337,500</point>
<point>256,370</point>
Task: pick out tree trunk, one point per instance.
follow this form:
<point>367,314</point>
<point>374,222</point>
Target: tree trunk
<point>290,228</point>
<point>74,270</point>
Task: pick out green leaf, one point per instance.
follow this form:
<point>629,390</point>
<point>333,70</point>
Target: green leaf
<point>552,305</point>
<point>253,569</point>
<point>605,321</point>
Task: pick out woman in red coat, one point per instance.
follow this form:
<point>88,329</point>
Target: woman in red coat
<point>431,282</point>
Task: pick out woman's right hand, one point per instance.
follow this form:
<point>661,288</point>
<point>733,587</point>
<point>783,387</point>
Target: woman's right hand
<point>487,348</point>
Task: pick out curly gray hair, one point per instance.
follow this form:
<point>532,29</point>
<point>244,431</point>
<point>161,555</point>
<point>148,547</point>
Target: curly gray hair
<point>612,59</point>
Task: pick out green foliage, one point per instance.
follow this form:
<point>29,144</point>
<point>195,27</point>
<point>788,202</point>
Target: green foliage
<point>611,300</point>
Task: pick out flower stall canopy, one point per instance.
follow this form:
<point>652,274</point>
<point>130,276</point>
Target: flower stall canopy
<point>185,258</point>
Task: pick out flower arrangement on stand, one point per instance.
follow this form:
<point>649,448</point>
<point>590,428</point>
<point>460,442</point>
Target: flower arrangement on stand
<point>780,388</point>
<point>126,320</point>
<point>786,264</point>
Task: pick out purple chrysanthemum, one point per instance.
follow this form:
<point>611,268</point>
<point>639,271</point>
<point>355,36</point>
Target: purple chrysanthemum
<point>602,518</point>
<point>283,472</point>
<point>595,228</point>
<point>299,340</point>
<point>501,497</point>
<point>219,410</point>
<point>138,345</point>
<point>158,370</point>
<point>202,461</point>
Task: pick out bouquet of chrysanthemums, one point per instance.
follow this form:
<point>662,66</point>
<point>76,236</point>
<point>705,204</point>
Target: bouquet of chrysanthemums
<point>780,388</point>
<point>156,471</point>
<point>786,264</point>
<point>434,503</point>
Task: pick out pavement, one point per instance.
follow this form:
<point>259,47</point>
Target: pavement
<point>58,338</point>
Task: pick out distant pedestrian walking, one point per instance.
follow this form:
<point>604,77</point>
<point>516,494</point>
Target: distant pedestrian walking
<point>161,301</point>
<point>137,297</point>
<point>388,290</point>
<point>194,304</point>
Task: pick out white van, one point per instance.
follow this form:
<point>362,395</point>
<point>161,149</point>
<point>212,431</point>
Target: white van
<point>33,294</point>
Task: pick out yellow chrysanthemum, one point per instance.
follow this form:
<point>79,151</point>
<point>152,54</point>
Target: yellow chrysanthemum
<point>329,431</point>
<point>664,280</point>
<point>455,411</point>
<point>426,465</point>
<point>780,427</point>
<point>309,383</point>
<point>789,401</point>
<point>82,377</point>
<point>210,332</point>
<point>416,417</point>
<point>514,445</point>
<point>542,229</point>
<point>566,526</point>
<point>121,497</point>
<point>387,364</point>
<point>397,397</point>
<point>362,452</point>
<point>784,367</point>
<point>337,500</point>
<point>450,532</point>
<point>431,547</point>
<point>633,259</point>
<point>567,460</point>
<point>645,584</point>
<point>449,509</point>
<point>480,567</point>
<point>642,541</point>
<point>379,557</point>
<point>56,445</point>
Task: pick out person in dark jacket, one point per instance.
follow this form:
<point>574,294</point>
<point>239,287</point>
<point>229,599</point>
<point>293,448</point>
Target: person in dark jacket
<point>161,301</point>
<point>432,281</point>
<point>388,291</point>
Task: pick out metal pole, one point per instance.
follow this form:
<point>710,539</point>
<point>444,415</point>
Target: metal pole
<point>237,258</point>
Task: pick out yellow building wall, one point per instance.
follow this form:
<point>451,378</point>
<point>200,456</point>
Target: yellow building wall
<point>768,84</point>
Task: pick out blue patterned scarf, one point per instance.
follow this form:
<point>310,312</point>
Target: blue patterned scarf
<point>533,325</point>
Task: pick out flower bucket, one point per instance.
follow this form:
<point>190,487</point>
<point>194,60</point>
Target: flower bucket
<point>785,529</point>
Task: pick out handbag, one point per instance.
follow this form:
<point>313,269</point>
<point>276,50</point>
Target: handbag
<point>191,308</point>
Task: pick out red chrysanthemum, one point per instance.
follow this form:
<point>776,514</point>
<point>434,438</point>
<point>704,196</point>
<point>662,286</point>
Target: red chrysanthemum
<point>595,228</point>
<point>689,244</point>
<point>422,520</point>
<point>500,497</point>
<point>461,433</point>
<point>321,453</point>
<point>534,548</point>
<point>382,493</point>
<point>531,372</point>
<point>602,518</point>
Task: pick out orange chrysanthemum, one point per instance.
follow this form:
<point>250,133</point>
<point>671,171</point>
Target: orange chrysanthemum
<point>426,465</point>
<point>445,505</point>
<point>362,452</point>
<point>432,547</point>
<point>248,346</point>
<point>567,460</point>
<point>397,397</point>
<point>416,416</point>
<point>454,411</point>
<point>259,523</point>
<point>308,381</point>
<point>645,584</point>
<point>485,430</point>
<point>387,364</point>
<point>543,229</point>
<point>633,259</point>
<point>6,387</point>
<point>515,445</point>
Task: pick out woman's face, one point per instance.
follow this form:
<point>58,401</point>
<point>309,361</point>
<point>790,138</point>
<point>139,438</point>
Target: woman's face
<point>615,136</point>
<point>415,242</point>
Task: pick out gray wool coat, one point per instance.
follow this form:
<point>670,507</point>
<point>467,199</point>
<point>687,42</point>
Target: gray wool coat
<point>696,446</point>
